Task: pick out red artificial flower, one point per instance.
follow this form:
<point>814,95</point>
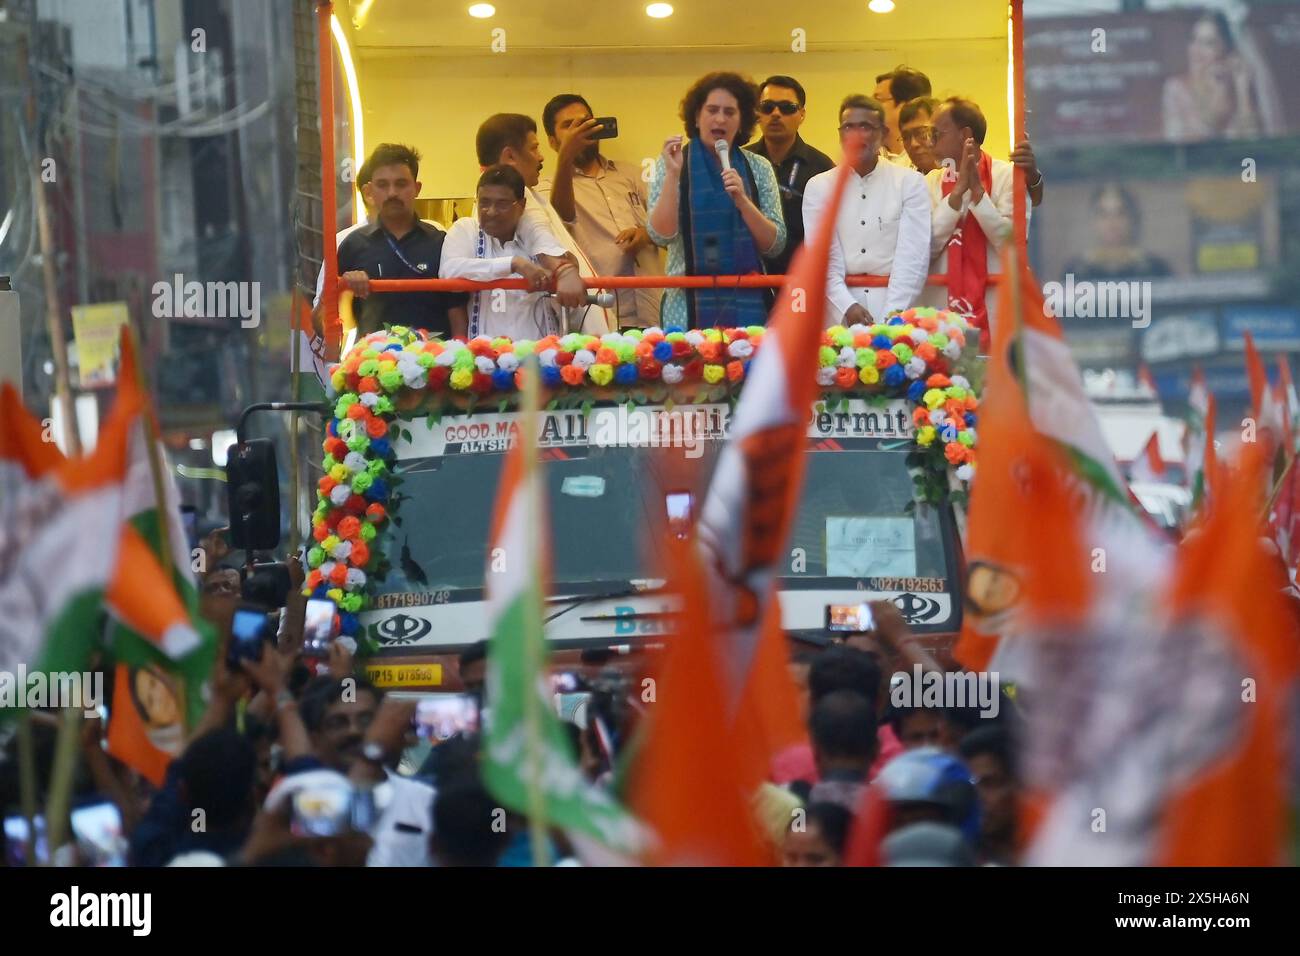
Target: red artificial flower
<point>606,355</point>
<point>733,334</point>
<point>326,485</point>
<point>376,427</point>
<point>885,359</point>
<point>438,376</point>
<point>314,579</point>
<point>735,370</point>
<point>572,374</point>
<point>360,554</point>
<point>562,359</point>
<point>710,351</point>
<point>482,383</point>
<point>920,416</point>
<point>938,381</point>
<point>846,377</point>
<point>862,340</point>
<point>349,528</point>
<point>956,453</point>
<point>355,505</point>
<point>356,411</point>
<point>376,513</point>
<point>649,369</point>
<point>926,351</point>
<point>694,369</point>
<point>681,348</point>
<point>320,532</point>
<point>368,384</point>
<point>339,574</point>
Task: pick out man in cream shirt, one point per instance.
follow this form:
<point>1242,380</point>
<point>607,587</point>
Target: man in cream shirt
<point>972,201</point>
<point>883,226</point>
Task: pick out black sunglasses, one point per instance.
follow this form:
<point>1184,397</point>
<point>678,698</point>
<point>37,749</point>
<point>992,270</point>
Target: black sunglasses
<point>785,106</point>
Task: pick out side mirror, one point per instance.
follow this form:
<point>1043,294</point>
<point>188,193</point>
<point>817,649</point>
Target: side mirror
<point>253,495</point>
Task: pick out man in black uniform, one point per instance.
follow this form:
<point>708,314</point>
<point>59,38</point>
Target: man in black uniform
<point>781,113</point>
<point>396,245</point>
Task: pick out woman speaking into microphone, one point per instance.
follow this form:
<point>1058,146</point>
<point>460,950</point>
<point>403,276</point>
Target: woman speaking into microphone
<point>716,207</point>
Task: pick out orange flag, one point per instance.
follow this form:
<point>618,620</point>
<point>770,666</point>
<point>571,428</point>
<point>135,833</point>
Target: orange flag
<point>752,498</point>
<point>687,783</point>
<point>1232,811</point>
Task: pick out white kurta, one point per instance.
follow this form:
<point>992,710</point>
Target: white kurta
<point>883,229</point>
<point>469,253</point>
<point>994,213</point>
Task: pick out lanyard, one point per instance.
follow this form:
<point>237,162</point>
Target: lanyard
<point>476,300</point>
<point>392,244</point>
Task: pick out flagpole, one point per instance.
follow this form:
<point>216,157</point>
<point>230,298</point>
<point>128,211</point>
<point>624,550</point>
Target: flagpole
<point>65,762</point>
<point>151,439</point>
<point>294,438</point>
<point>54,323</point>
<point>27,780</point>
<point>534,634</point>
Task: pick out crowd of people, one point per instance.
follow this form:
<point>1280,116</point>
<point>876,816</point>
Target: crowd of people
<point>299,760</point>
<point>734,194</point>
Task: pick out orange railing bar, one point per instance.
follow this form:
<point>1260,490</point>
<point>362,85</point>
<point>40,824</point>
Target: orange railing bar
<point>628,282</point>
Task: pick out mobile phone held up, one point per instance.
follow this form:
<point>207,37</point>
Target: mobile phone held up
<point>850,618</point>
<point>251,628</point>
<point>319,627</point>
<point>608,128</point>
<point>680,508</point>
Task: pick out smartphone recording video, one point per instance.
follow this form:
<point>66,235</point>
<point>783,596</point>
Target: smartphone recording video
<point>681,513</point>
<point>250,629</point>
<point>318,627</point>
<point>609,128</point>
<point>442,716</point>
<point>850,618</point>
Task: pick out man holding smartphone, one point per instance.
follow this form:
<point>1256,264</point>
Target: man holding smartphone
<point>603,204</point>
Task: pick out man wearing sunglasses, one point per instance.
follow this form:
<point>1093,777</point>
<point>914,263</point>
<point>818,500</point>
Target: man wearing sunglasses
<point>780,114</point>
<point>883,226</point>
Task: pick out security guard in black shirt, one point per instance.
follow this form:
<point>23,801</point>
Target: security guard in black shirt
<point>398,245</point>
<point>781,113</point>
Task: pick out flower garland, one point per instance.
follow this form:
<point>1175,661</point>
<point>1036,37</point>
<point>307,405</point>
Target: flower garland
<point>911,355</point>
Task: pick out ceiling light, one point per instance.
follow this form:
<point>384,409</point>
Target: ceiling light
<point>659,10</point>
<point>880,6</point>
<point>482,10</point>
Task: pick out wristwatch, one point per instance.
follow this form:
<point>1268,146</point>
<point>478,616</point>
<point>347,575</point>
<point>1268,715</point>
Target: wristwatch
<point>372,752</point>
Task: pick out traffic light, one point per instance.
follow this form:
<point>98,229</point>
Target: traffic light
<point>253,495</point>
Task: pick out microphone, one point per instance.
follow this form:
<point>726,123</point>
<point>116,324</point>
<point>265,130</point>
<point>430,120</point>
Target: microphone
<point>603,299</point>
<point>723,149</point>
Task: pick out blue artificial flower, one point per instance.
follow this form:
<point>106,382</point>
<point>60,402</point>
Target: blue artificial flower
<point>625,375</point>
<point>895,320</point>
<point>394,347</point>
<point>882,342</point>
<point>378,491</point>
<point>332,429</point>
<point>502,380</point>
<point>673,328</point>
<point>895,376</point>
<point>551,375</point>
<point>916,390</point>
<point>380,448</point>
<point>745,363</point>
<point>970,419</point>
<point>319,593</point>
<point>349,624</point>
<point>663,351</point>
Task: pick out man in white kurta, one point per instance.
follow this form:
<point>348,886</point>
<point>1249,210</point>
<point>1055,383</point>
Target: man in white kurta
<point>883,226</point>
<point>959,129</point>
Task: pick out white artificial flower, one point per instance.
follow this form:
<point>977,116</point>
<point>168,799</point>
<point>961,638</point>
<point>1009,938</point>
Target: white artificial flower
<point>354,462</point>
<point>952,350</point>
<point>857,328</point>
<point>356,579</point>
<point>508,362</point>
<point>965,472</point>
<point>920,336</point>
<point>584,358</point>
<point>938,417</point>
<point>339,495</point>
<point>961,380</point>
<point>915,367</point>
<point>342,550</point>
<point>485,364</point>
<point>673,374</point>
<point>445,358</point>
<point>741,349</point>
<point>826,376</point>
<point>848,357</point>
<point>547,358</point>
<point>370,399</point>
<point>695,338</point>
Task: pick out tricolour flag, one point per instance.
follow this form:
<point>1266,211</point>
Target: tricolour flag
<point>1158,736</point>
<point>528,762</point>
<point>180,673</point>
<point>752,498</point>
<point>1148,467</point>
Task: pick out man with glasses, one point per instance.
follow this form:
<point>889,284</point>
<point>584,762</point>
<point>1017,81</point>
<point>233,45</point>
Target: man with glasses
<point>500,241</point>
<point>883,226</point>
<point>972,199</point>
<point>780,114</point>
<point>895,89</point>
<point>917,130</point>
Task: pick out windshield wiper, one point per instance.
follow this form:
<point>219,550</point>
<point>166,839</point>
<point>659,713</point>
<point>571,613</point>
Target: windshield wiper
<point>628,590</point>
